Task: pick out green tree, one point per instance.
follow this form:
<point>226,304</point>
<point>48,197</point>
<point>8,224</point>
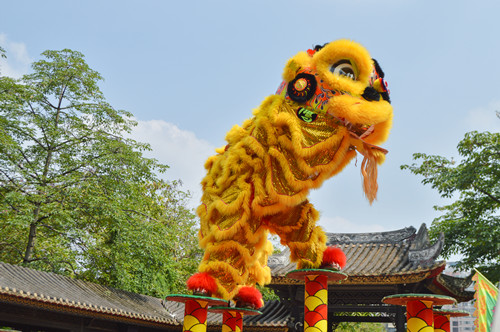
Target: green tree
<point>471,223</point>
<point>360,327</point>
<point>357,326</point>
<point>76,196</point>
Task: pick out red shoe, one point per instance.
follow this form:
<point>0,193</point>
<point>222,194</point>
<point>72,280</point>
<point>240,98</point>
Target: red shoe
<point>202,283</point>
<point>333,258</point>
<point>249,297</point>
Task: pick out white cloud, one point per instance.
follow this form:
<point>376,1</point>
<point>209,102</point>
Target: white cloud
<point>343,225</point>
<point>18,60</point>
<point>484,118</point>
<point>180,149</point>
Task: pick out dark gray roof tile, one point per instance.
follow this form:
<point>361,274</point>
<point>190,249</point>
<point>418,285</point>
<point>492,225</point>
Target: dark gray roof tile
<point>51,288</point>
<point>376,254</point>
<point>38,286</point>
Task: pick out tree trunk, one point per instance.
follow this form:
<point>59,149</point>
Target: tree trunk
<point>28,254</point>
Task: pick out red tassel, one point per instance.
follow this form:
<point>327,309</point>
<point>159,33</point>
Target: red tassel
<point>202,282</point>
<point>334,256</point>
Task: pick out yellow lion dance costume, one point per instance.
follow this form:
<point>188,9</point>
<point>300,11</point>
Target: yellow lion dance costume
<point>332,103</point>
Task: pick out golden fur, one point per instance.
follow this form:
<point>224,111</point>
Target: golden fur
<point>260,181</point>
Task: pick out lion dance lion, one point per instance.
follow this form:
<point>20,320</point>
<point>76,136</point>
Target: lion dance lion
<point>332,104</point>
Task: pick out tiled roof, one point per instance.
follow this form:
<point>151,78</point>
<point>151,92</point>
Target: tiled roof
<point>274,313</point>
<point>45,289</point>
<point>372,258</point>
<point>385,257</point>
<point>55,292</point>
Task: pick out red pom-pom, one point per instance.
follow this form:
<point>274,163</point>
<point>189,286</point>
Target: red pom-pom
<point>249,297</point>
<point>202,282</point>
<point>334,256</point>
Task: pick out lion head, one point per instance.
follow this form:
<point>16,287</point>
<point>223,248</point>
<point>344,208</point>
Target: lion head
<point>342,81</point>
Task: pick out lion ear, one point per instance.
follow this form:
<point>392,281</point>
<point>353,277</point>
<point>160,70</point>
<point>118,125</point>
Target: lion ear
<point>295,64</point>
<point>291,69</point>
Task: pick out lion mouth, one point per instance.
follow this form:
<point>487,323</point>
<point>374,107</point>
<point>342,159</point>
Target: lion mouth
<point>360,131</point>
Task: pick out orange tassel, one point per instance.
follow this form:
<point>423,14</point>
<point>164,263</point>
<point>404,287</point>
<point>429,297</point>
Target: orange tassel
<point>369,172</point>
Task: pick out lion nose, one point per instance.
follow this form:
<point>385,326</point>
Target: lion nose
<point>371,94</point>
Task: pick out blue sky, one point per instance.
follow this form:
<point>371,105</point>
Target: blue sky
<point>190,70</point>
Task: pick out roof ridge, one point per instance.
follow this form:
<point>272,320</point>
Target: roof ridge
<point>395,236</point>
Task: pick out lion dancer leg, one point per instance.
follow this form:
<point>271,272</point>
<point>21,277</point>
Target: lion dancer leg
<point>232,263</point>
<point>307,242</point>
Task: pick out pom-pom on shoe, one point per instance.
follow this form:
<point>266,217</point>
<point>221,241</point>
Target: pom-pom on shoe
<point>333,258</point>
<point>202,283</point>
<point>249,297</point>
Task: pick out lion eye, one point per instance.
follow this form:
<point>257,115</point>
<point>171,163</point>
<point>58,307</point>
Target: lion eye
<point>344,68</point>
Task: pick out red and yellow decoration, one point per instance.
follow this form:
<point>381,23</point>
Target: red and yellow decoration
<point>316,303</point>
<point>195,316</point>
<point>232,317</point>
<point>441,323</point>
<point>419,309</point>
<point>327,110</point>
<point>419,316</point>
<point>232,321</point>
<point>316,296</point>
<point>195,310</point>
<point>442,318</point>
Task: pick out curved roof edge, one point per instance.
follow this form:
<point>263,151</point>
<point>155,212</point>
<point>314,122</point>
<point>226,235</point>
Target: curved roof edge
<point>375,237</point>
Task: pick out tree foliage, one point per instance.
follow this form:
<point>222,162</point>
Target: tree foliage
<point>471,223</point>
<point>76,196</point>
<point>360,327</point>
<point>357,326</point>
